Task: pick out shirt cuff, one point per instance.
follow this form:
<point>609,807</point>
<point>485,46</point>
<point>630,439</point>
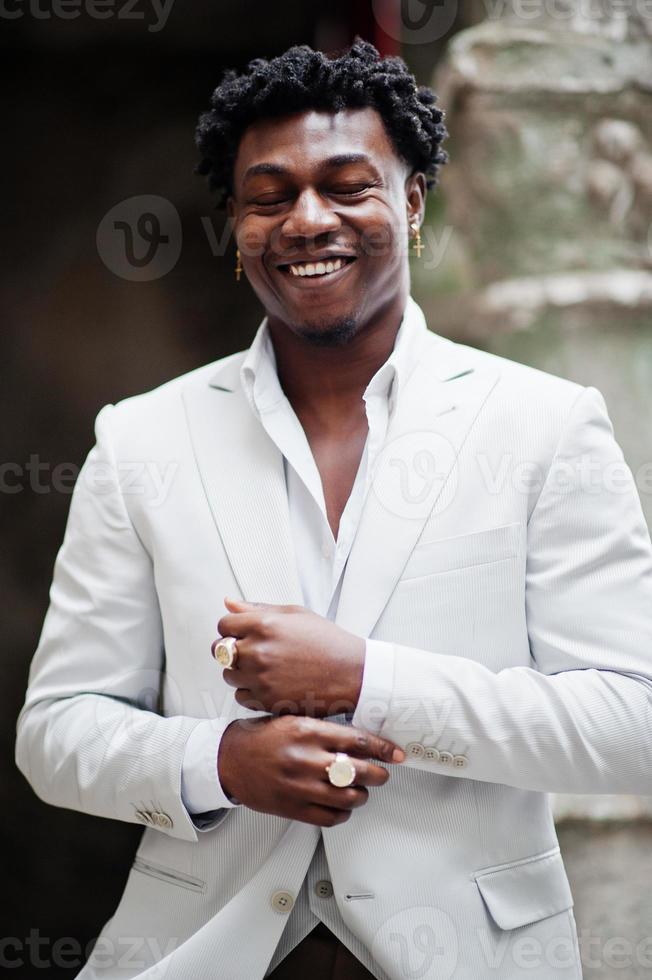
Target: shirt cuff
<point>377,683</point>
<point>201,791</point>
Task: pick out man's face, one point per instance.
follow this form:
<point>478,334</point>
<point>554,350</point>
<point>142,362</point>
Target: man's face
<point>323,187</point>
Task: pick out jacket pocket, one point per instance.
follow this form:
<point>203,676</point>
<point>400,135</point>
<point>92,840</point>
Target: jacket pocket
<point>525,891</point>
<point>171,875</point>
<point>463,551</point>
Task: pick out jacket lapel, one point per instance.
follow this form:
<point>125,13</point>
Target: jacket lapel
<point>244,481</point>
<point>414,477</point>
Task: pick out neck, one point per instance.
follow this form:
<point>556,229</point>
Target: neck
<point>327,383</point>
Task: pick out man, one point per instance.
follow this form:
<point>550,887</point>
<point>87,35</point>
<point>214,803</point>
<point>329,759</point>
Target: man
<point>437,582</point>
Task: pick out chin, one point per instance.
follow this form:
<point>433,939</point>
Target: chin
<point>328,331</point>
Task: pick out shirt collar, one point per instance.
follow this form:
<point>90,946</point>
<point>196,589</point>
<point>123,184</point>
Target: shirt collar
<point>260,382</point>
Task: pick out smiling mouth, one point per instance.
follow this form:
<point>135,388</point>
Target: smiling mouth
<point>319,271</point>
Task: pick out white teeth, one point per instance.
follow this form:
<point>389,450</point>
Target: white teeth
<point>316,268</point>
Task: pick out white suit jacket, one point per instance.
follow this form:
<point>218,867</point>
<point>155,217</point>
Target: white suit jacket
<point>502,556</point>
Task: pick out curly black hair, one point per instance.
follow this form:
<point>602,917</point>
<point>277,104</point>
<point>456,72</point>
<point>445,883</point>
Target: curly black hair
<point>302,78</point>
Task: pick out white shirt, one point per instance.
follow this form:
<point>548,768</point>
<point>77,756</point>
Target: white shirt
<point>321,561</point>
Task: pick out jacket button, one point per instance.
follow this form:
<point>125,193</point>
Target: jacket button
<point>323,889</point>
<point>432,753</point>
<point>162,820</point>
<point>445,758</point>
<point>415,750</point>
<point>282,902</point>
<point>460,761</point>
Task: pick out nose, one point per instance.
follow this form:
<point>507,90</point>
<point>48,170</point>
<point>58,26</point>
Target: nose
<point>310,216</point>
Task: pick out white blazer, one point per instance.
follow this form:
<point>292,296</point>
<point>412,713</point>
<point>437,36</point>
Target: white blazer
<point>503,554</point>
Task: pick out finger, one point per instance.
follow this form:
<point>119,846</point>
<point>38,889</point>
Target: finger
<point>232,677</point>
<point>245,698</point>
<point>340,798</point>
<point>237,624</point>
<point>323,816</point>
<point>240,605</point>
<point>365,745</point>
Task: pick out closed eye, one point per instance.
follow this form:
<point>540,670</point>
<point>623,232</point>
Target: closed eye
<point>268,204</point>
<point>350,191</point>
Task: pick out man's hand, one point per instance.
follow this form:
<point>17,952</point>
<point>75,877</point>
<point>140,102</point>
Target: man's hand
<point>278,765</point>
<point>292,661</point>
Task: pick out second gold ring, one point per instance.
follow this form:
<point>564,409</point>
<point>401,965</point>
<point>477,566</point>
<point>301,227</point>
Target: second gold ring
<point>225,651</point>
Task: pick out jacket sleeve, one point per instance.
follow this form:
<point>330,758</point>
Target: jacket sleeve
<point>580,718</point>
<point>94,733</point>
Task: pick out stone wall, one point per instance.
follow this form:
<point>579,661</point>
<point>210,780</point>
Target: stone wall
<point>542,240</point>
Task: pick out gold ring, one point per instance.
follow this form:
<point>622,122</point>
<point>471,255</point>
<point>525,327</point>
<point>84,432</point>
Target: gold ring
<point>341,772</point>
<point>225,651</point>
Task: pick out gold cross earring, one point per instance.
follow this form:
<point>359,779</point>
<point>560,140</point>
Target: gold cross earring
<point>418,247</point>
<point>238,265</point>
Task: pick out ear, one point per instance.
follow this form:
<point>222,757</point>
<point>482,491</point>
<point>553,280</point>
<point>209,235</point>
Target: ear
<point>415,195</point>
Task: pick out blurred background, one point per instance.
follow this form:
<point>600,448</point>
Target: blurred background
<point>538,246</point>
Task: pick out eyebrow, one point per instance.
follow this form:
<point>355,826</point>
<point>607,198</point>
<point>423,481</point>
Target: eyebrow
<point>339,160</point>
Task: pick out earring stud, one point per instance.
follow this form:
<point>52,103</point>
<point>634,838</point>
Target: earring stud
<point>238,265</point>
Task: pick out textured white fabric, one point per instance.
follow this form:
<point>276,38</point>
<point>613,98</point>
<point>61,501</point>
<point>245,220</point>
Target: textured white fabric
<point>320,558</point>
<point>502,563</point>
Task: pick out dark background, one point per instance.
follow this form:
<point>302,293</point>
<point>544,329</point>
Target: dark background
<point>97,111</point>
